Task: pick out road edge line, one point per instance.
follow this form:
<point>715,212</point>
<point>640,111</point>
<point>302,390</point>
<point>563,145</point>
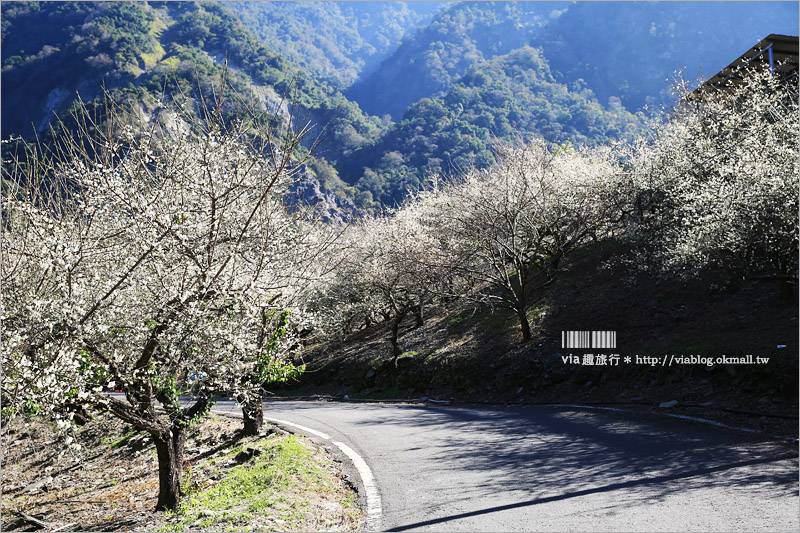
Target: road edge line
<point>298,426</point>
<point>374,506</point>
<point>705,421</point>
<point>373,496</point>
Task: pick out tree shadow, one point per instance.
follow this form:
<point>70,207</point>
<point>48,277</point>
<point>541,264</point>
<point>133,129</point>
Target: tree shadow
<point>533,456</point>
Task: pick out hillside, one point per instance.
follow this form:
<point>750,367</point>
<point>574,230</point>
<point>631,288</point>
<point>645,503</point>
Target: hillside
<point>426,63</point>
<point>110,483</point>
<point>471,353</point>
<point>140,51</point>
<point>334,41</point>
<point>510,96</point>
<point>627,50</point>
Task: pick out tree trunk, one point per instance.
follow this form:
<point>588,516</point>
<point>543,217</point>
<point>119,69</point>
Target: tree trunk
<point>524,324</point>
<point>396,350</point>
<point>418,314</point>
<point>169,447</point>
<point>253,415</point>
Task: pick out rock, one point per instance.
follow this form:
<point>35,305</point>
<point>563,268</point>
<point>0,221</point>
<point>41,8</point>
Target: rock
<point>273,430</point>
<point>245,455</point>
<point>589,383</point>
<point>519,390</point>
<point>671,403</point>
<point>39,485</point>
<point>370,373</point>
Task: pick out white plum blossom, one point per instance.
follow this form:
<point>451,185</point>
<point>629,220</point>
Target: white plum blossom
<point>717,185</point>
<point>138,256</point>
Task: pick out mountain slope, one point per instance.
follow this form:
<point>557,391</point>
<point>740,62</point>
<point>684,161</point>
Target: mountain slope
<point>463,35</point>
<point>335,41</point>
<point>54,51</point>
<point>628,50</point>
<point>510,96</point>
<point>632,50</point>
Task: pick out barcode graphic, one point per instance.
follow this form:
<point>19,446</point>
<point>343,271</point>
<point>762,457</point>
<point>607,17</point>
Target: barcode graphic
<point>588,339</point>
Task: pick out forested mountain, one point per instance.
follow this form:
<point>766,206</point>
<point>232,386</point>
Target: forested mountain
<point>461,36</point>
<point>53,50</point>
<point>512,95</point>
<point>336,41</point>
<point>630,50</point>
<point>452,76</point>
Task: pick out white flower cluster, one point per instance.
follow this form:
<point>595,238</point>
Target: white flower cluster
<point>148,262</point>
<point>717,186</point>
<point>713,186</point>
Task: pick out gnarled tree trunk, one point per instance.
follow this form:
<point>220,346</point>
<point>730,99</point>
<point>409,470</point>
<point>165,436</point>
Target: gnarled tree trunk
<point>525,324</point>
<point>169,447</point>
<point>253,415</point>
<point>420,319</point>
<point>396,349</point>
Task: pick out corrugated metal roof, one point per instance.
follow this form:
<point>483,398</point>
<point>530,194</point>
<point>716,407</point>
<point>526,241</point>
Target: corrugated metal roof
<point>777,52</point>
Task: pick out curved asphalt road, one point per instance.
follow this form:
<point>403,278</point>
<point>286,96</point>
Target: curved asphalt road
<point>558,469</point>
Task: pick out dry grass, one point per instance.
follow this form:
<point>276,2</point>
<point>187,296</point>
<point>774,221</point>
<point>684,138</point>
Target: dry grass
<point>112,483</point>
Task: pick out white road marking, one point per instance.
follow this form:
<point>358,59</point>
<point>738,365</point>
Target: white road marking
<point>371,489</point>
<point>373,496</point>
<point>303,428</point>
<point>583,406</point>
<point>713,423</point>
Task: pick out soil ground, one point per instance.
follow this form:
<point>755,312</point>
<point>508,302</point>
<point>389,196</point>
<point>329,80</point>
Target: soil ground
<point>111,484</point>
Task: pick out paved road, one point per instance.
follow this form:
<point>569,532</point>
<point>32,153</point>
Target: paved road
<point>559,469</point>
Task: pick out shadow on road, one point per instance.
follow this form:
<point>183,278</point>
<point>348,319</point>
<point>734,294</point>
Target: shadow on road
<point>488,460</point>
<point>554,454</point>
<point>616,486</point>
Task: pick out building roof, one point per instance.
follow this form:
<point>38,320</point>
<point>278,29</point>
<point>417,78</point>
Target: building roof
<point>778,52</point>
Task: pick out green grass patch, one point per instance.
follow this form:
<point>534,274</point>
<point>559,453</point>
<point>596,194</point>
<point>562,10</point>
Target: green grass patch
<point>431,356</point>
<point>271,491</point>
<point>120,441</point>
